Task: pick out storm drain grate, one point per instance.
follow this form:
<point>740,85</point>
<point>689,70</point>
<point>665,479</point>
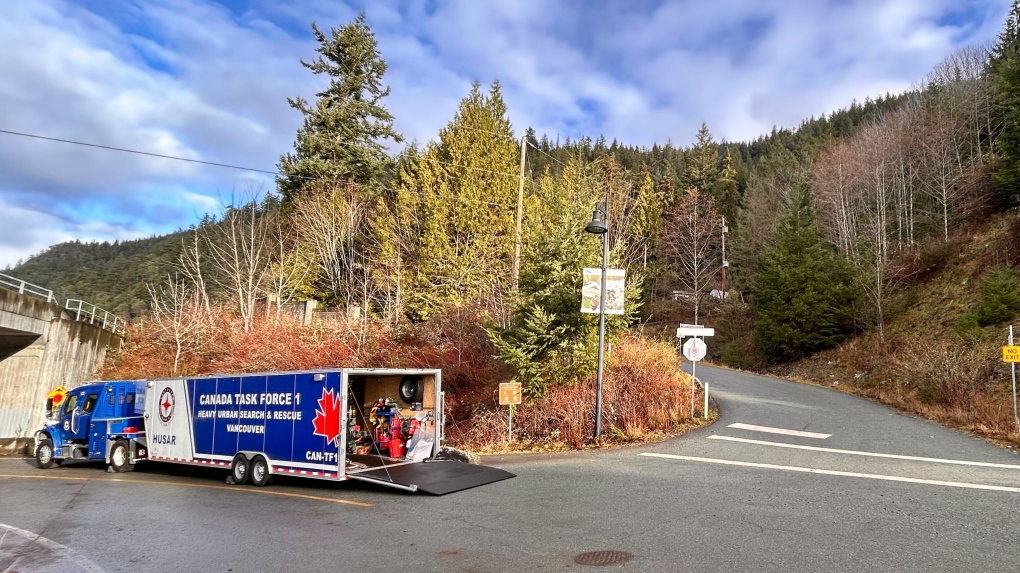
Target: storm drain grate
<point>599,558</point>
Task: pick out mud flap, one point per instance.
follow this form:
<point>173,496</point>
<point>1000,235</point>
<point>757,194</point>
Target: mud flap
<point>436,477</point>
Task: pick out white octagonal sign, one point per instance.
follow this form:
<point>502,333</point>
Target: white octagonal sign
<point>695,349</point>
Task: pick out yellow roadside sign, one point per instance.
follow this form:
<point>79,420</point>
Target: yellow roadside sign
<point>57,395</point>
<point>509,393</point>
<point>1011,353</point>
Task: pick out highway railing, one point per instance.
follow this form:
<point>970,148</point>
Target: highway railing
<point>92,314</point>
<point>23,287</point>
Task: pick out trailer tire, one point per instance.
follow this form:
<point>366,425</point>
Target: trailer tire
<point>411,389</point>
<point>44,454</point>
<point>120,457</point>
<point>240,469</point>
<point>260,475</point>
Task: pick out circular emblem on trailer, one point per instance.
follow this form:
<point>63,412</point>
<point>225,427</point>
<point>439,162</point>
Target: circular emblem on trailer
<point>166,405</point>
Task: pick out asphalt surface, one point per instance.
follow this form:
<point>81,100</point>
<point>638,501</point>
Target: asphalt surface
<point>725,498</point>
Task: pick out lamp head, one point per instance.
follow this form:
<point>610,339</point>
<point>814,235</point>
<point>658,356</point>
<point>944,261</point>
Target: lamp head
<point>597,226</point>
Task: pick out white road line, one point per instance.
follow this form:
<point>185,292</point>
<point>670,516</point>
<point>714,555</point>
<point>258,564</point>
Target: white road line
<point>78,559</point>
<point>785,432</point>
<point>837,473</point>
<point>859,453</point>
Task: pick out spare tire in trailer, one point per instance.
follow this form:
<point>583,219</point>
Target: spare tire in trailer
<point>412,388</point>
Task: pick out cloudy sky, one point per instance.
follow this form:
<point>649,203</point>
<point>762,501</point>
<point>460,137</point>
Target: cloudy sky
<point>209,81</point>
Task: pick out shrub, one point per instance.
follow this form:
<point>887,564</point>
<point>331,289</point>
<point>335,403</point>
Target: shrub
<point>1000,297</point>
<point>643,392</point>
<point>944,373</point>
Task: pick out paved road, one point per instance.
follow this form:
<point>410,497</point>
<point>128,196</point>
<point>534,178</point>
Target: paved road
<point>726,498</point>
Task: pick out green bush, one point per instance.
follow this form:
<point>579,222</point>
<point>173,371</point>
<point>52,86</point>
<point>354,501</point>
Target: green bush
<point>1000,297</point>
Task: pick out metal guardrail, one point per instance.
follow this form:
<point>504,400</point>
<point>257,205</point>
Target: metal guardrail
<point>82,310</point>
<point>27,288</point>
<point>92,314</point>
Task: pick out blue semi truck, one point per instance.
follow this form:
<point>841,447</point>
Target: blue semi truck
<point>382,426</point>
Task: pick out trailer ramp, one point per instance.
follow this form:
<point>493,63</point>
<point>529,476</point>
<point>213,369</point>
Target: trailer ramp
<point>436,477</point>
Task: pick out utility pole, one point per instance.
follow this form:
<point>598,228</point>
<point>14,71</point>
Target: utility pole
<point>725,263</point>
<point>520,214</point>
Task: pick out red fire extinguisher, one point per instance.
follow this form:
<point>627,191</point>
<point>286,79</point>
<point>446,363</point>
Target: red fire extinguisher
<point>396,447</point>
<point>396,439</point>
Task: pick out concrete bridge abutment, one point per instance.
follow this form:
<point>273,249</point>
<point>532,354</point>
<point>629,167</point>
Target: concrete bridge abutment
<point>42,346</point>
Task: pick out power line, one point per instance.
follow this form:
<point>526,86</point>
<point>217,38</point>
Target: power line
<point>242,168</point>
<point>135,151</point>
<point>546,153</point>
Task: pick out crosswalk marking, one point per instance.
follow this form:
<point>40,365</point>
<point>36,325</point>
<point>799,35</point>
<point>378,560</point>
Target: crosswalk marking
<point>859,453</point>
<point>783,431</point>
<point>958,484</point>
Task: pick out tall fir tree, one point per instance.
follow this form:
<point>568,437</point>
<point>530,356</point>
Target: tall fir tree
<point>1004,65</point>
<point>804,294</point>
<point>702,169</point>
<point>465,188</point>
<point>344,135</point>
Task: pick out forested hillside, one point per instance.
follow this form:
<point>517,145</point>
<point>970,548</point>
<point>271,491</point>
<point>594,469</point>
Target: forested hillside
<point>835,231</point>
<point>110,275</point>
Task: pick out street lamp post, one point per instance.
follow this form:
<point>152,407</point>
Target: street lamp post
<point>599,225</point>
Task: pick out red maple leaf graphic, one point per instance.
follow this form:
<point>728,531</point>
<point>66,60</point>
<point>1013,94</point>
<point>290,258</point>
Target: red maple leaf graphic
<point>327,418</point>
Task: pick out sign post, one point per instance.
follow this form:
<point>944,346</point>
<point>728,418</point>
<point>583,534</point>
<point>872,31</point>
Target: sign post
<point>1011,354</point>
<point>694,350</point>
<point>510,395</point>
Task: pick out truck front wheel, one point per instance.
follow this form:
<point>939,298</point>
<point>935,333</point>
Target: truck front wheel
<point>260,475</point>
<point>44,454</point>
<point>120,457</point>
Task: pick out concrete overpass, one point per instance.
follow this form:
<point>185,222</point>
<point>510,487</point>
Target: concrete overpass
<point>44,345</point>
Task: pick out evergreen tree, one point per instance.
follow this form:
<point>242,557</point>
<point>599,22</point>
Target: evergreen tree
<point>343,135</point>
<point>465,188</point>
<point>1004,66</point>
<point>803,293</point>
<point>549,341</point>
<point>703,163</point>
<point>728,190</point>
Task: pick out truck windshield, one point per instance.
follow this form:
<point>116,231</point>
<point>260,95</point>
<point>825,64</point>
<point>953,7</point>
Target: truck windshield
<point>70,403</point>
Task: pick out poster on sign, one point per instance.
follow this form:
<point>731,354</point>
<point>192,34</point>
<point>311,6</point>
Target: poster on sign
<point>591,286</point>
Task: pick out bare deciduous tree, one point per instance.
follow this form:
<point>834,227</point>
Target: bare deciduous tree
<point>288,270</point>
<point>240,249</point>
<point>189,263</point>
<point>179,312</point>
<point>691,241</point>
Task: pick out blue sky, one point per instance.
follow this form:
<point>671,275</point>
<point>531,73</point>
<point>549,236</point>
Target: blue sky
<point>209,81</point>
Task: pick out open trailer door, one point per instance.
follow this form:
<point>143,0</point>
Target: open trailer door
<point>433,476</point>
<point>395,430</point>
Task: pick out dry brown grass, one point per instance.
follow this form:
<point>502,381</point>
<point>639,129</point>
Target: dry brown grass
<point>645,396</point>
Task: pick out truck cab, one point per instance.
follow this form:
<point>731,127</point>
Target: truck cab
<point>99,421</point>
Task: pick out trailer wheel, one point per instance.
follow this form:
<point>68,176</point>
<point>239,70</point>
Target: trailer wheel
<point>260,475</point>
<point>240,469</point>
<point>44,454</point>
<point>120,457</point>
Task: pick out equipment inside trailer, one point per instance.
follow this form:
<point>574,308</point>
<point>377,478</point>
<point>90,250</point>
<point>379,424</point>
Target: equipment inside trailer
<point>392,438</point>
